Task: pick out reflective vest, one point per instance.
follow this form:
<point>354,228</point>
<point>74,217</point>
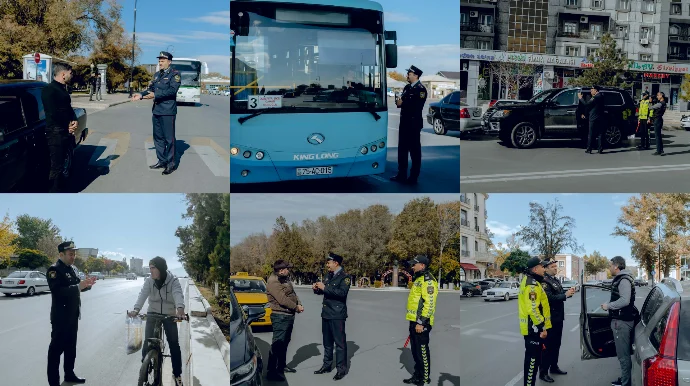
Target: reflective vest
<point>533,307</point>
<point>421,303</point>
<point>644,109</point>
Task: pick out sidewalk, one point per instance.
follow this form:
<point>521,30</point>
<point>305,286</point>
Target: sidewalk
<point>82,101</point>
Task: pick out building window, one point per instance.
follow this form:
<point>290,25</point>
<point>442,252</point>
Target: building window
<point>647,33</point>
<point>595,30</point>
<point>648,6</point>
<point>646,57</point>
<point>476,224</point>
<point>561,263</point>
<point>464,243</point>
<point>592,51</point>
<point>622,31</point>
<point>571,3</point>
<point>570,27</point>
<point>484,45</point>
<point>674,30</point>
<point>476,246</point>
<point>598,4</point>
<point>463,218</point>
<point>464,18</point>
<point>486,19</point>
<point>676,9</point>
<point>623,5</point>
<point>572,51</point>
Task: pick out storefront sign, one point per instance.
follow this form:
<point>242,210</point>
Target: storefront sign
<point>565,61</point>
<point>654,75</point>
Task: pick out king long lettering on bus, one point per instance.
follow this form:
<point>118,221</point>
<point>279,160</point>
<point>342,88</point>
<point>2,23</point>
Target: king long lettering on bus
<point>315,157</point>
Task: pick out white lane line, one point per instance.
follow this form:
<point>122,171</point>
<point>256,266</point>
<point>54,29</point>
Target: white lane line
<point>589,297</point>
<point>103,159</point>
<point>18,327</point>
<point>569,173</point>
<point>455,326</point>
<point>575,328</point>
<point>515,380</point>
<point>502,338</point>
<point>151,158</point>
<point>488,320</point>
<point>572,314</point>
<point>219,167</point>
<point>471,331</point>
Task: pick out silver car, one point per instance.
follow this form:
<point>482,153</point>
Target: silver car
<point>470,117</point>
<point>660,350</point>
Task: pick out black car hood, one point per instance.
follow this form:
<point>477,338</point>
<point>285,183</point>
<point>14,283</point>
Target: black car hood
<point>240,351</point>
<point>518,106</point>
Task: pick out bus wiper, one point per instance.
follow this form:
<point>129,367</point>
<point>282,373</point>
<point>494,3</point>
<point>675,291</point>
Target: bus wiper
<point>256,114</point>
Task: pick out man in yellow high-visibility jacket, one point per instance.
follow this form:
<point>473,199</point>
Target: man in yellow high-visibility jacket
<point>535,318</point>
<point>421,305</point>
<point>644,118</point>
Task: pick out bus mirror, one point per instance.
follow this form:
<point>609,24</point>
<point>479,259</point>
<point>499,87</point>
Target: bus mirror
<point>390,35</point>
<point>391,56</point>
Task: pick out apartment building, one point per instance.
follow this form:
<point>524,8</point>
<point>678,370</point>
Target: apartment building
<point>474,236</point>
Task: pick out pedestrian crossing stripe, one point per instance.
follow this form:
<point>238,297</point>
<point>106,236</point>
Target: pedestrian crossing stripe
<point>110,150</point>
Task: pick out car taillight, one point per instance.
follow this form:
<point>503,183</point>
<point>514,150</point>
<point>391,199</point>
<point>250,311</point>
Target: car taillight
<point>464,113</point>
<point>493,102</point>
<point>22,282</point>
<point>479,287</point>
<point>661,369</point>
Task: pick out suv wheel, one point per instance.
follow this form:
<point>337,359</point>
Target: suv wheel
<point>613,136</point>
<point>523,136</point>
<point>439,127</point>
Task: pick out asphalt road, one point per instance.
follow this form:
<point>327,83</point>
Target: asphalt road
<point>101,356</point>
<point>492,348</point>
<point>119,149</point>
<point>439,173</point>
<point>376,332</point>
<point>558,166</point>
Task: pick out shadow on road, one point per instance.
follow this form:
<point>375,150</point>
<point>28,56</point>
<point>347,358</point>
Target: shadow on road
<point>407,360</point>
<point>304,353</point>
<point>84,174</point>
<point>452,380</point>
<point>21,296</point>
<point>180,148</point>
<point>352,348</point>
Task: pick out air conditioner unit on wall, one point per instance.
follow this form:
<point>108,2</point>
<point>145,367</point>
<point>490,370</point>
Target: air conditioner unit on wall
<point>584,19</point>
<point>474,14</point>
<point>644,41</point>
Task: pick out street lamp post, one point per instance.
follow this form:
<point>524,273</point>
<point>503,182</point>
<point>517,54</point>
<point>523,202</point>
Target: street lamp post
<point>134,39</point>
<point>658,221</point>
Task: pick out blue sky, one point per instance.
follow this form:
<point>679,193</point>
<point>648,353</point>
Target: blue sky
<point>596,215</point>
<point>196,29</point>
<point>119,225</point>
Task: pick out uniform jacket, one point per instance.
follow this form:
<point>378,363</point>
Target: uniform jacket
<point>533,306</point>
<point>556,295</point>
<point>595,107</point>
<point>164,86</point>
<point>63,281</point>
<point>421,302</point>
<point>335,295</point>
<point>644,109</point>
<point>163,300</point>
<point>413,100</point>
<point>281,295</point>
<point>58,106</point>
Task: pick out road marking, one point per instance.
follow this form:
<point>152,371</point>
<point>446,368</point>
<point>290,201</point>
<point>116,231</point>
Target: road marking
<point>569,173</point>
<point>575,328</point>
<point>589,297</point>
<point>115,146</point>
<point>214,156</point>
<point>380,179</point>
<point>471,331</point>
<point>151,157</point>
<point>18,327</point>
<point>455,326</point>
<point>502,338</point>
<point>515,380</point>
<point>488,320</point>
<point>572,314</point>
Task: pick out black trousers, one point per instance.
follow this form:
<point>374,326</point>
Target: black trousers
<point>164,138</point>
<point>63,339</point>
<point>58,145</point>
<point>170,328</point>
<point>420,351</point>
<point>333,331</point>
<point>282,333</point>
<point>409,141</point>
<point>658,125</point>
<point>595,133</point>
<point>532,359</point>
<point>549,359</point>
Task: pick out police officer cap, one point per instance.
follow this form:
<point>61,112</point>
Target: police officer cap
<point>165,55</point>
<point>546,263</point>
<point>533,262</point>
<point>337,258</point>
<point>415,70</point>
<point>419,259</point>
<point>66,246</point>
<point>280,264</point>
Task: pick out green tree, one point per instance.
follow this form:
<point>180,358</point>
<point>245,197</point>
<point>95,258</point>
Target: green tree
<point>415,230</point>
<point>549,232</point>
<point>94,264</point>
<point>220,257</point>
<point>516,262</point>
<point>32,229</point>
<point>609,64</point>
<point>32,259</point>
<point>595,263</point>
<point>8,246</point>
<point>449,228</point>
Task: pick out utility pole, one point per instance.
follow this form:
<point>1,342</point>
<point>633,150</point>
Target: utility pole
<point>134,39</point>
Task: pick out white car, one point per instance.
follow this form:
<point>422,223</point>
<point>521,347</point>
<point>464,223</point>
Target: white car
<point>567,284</point>
<point>504,290</point>
<point>97,275</point>
<point>24,282</point>
<point>685,122</point>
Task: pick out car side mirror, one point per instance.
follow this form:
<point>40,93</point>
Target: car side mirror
<point>253,313</point>
<point>2,136</point>
<point>391,55</point>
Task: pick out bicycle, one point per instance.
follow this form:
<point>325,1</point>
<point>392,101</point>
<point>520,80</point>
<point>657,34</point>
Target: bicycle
<point>152,366</point>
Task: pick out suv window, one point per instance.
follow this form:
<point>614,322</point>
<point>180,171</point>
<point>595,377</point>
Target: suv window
<point>11,113</point>
<point>651,305</point>
<point>566,98</point>
<point>612,98</point>
<point>658,332</point>
<point>36,93</point>
<point>454,98</point>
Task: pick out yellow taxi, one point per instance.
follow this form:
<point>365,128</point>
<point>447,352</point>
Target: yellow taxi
<point>251,291</point>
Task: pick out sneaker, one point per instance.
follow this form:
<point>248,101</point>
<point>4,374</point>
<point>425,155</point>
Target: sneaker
<point>178,381</point>
<point>617,382</point>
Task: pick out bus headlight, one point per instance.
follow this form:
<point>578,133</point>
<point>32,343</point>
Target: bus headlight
<point>373,148</point>
<point>259,155</point>
<point>247,154</point>
<point>234,150</point>
<point>364,150</point>
<point>381,144</point>
<point>245,173</point>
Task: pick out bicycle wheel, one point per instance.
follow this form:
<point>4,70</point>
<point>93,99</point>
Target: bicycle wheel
<point>150,371</point>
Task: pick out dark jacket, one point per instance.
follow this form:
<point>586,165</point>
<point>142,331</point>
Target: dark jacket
<point>413,100</point>
<point>164,86</point>
<point>659,110</point>
<point>622,301</point>
<point>57,105</point>
<point>98,81</point>
<point>556,295</point>
<point>335,295</point>
<point>92,80</point>
<point>281,295</point>
<point>595,107</point>
<point>63,281</point>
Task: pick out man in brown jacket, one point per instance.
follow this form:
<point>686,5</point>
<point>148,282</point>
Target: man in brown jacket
<point>284,303</point>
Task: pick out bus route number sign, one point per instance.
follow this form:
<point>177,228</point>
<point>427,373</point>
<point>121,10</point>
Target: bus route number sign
<point>265,102</point>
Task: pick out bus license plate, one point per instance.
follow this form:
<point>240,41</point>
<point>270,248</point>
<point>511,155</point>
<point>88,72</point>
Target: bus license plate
<point>315,171</point>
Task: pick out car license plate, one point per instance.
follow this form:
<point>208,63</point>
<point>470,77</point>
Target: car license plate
<point>489,293</point>
<point>315,171</point>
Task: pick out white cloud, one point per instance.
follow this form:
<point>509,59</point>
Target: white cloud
<point>114,255</point>
<point>396,17</point>
<point>430,59</point>
<point>158,39</point>
<point>501,230</point>
<point>217,63</point>
<point>217,18</point>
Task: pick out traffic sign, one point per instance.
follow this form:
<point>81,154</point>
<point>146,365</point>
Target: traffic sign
<point>37,58</point>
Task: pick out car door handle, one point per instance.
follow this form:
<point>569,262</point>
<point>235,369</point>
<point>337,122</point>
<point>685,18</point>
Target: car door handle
<point>570,111</point>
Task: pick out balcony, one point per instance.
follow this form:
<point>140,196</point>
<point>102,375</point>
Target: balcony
<point>476,28</point>
<point>484,257</point>
<point>586,35</point>
<point>476,228</point>
<point>677,56</point>
<point>465,223</point>
<point>476,208</point>
<point>478,3</point>
<point>682,38</point>
<point>464,200</point>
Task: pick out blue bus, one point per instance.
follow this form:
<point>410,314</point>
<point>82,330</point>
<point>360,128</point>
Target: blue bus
<point>308,89</point>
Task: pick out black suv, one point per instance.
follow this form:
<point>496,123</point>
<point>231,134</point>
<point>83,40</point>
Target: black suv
<point>556,113</point>
<point>246,364</point>
<point>24,157</point>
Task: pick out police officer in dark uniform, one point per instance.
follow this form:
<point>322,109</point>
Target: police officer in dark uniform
<point>333,316</point>
<point>659,109</point>
<point>411,103</point>
<point>557,296</point>
<point>163,91</point>
<point>61,122</point>
<point>65,288</point>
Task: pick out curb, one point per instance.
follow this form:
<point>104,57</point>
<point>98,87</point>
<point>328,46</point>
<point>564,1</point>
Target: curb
<point>98,106</point>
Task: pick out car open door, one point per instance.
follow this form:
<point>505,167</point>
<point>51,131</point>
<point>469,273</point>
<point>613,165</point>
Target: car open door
<point>596,337</point>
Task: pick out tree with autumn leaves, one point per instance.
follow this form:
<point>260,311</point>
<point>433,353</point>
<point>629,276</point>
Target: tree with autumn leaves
<point>371,240</point>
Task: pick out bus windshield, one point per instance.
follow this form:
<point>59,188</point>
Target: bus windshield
<point>296,60</point>
<point>189,72</point>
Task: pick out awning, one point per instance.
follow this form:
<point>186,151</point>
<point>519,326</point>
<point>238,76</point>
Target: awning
<point>469,267</point>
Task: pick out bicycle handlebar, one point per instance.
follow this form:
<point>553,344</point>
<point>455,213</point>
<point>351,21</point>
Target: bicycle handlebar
<point>162,316</point>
